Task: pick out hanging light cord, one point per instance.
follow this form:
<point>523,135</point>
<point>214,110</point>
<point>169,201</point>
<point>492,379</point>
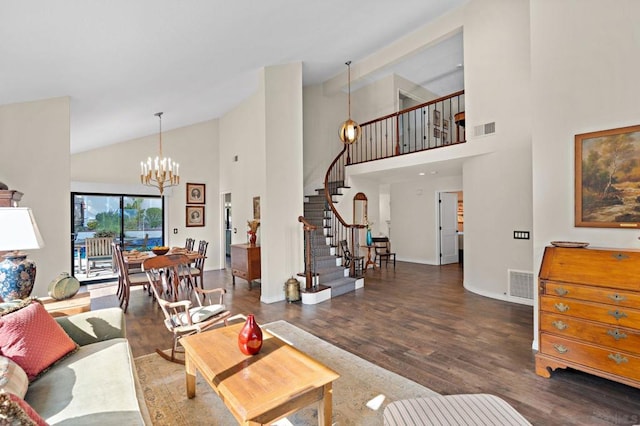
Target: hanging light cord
<point>348,63</point>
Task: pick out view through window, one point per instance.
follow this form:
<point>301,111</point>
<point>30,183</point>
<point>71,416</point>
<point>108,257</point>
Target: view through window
<point>134,222</point>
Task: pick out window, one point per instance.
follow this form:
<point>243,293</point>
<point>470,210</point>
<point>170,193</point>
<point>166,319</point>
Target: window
<point>135,222</point>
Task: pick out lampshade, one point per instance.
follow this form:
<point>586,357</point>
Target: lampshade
<point>18,229</point>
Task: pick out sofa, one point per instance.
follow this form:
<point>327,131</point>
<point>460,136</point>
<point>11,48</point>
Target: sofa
<point>93,384</point>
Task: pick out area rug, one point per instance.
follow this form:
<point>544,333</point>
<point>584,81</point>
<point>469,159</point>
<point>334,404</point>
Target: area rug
<point>359,395</point>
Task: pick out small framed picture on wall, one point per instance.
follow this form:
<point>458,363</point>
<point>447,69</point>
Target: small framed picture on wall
<point>256,208</point>
<point>195,216</point>
<point>436,118</point>
<point>196,193</point>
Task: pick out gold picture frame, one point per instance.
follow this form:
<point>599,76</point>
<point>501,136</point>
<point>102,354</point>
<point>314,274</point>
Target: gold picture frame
<point>256,208</point>
<point>607,172</point>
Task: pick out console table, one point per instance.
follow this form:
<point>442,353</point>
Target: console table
<point>245,262</point>
<point>80,302</point>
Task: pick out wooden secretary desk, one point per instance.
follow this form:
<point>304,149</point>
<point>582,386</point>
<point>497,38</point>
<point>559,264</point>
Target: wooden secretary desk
<point>245,262</point>
<point>590,312</point>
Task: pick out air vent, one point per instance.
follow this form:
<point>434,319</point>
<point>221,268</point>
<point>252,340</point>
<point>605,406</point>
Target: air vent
<point>484,129</point>
<point>520,287</point>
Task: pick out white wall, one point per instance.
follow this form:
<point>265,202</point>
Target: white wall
<point>34,141</point>
<point>282,246</point>
<point>116,168</point>
<point>265,132</point>
<point>584,57</point>
<point>323,116</point>
<point>414,217</point>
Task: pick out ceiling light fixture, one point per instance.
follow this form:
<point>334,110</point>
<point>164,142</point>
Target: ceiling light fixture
<point>350,130</point>
<point>160,172</point>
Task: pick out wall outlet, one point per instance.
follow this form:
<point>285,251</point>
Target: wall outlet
<point>175,230</point>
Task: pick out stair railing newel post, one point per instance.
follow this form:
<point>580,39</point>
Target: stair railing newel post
<point>309,271</point>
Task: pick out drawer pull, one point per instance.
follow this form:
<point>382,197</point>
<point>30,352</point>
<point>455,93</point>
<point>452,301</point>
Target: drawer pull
<point>619,359</point>
<point>561,291</point>
<point>616,334</point>
<point>560,325</point>
<point>617,314</point>
<point>561,307</point>
<point>563,349</point>
<point>617,298</point>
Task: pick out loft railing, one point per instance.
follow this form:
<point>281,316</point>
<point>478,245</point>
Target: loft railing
<point>434,124</point>
<point>430,125</point>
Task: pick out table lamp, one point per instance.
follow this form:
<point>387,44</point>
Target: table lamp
<point>18,231</point>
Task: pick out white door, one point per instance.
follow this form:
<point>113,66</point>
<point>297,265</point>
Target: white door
<point>448,228</point>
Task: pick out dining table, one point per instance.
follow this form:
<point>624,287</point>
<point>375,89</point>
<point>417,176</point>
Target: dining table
<point>134,259</point>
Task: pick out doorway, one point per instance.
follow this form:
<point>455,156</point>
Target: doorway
<point>450,222</point>
<point>226,226</point>
<point>132,221</point>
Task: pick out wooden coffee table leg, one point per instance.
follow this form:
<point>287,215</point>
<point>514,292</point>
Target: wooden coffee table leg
<point>325,406</point>
<point>190,372</point>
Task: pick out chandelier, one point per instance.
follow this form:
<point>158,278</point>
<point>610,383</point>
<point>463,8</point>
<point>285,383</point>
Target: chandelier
<point>350,130</point>
<point>160,172</point>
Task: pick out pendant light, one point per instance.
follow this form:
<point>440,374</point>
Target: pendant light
<point>350,130</point>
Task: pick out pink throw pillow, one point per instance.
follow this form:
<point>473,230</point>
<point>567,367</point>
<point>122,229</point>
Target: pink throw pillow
<point>15,411</point>
<point>33,339</point>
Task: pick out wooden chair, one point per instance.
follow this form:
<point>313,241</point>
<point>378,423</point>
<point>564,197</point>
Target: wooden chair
<point>189,243</point>
<point>382,247</point>
<point>358,261</point>
<point>197,271</point>
<point>126,280</point>
<point>98,249</point>
<point>181,318</point>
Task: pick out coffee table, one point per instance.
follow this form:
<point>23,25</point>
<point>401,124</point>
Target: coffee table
<point>262,388</point>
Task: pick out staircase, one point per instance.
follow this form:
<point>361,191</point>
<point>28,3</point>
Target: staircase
<point>327,264</point>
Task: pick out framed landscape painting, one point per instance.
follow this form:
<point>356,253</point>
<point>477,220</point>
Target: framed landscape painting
<point>607,178</point>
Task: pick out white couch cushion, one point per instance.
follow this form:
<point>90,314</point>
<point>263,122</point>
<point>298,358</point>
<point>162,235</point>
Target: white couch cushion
<point>94,386</point>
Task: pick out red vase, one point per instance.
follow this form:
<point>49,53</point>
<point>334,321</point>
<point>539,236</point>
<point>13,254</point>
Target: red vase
<point>252,238</point>
<point>250,337</point>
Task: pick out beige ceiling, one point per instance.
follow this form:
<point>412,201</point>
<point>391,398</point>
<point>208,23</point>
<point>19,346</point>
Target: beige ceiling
<point>120,61</point>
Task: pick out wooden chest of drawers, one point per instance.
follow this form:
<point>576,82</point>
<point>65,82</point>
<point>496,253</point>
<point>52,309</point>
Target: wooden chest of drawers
<point>589,312</point>
<point>245,262</point>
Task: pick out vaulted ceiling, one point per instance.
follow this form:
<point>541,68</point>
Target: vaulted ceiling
<point>121,61</point>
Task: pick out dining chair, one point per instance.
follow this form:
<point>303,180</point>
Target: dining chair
<point>189,243</point>
<point>358,261</point>
<point>126,280</point>
<point>197,270</point>
<point>181,317</point>
<point>382,246</point>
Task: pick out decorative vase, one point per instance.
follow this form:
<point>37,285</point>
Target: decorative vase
<point>250,337</point>
<point>17,276</point>
<point>369,238</point>
<point>63,287</point>
<point>252,238</point>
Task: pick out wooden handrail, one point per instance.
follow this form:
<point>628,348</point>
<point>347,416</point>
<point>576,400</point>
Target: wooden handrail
<point>307,225</point>
<point>404,111</point>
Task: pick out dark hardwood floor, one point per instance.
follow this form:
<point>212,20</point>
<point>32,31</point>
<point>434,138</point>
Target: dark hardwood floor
<point>419,322</point>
